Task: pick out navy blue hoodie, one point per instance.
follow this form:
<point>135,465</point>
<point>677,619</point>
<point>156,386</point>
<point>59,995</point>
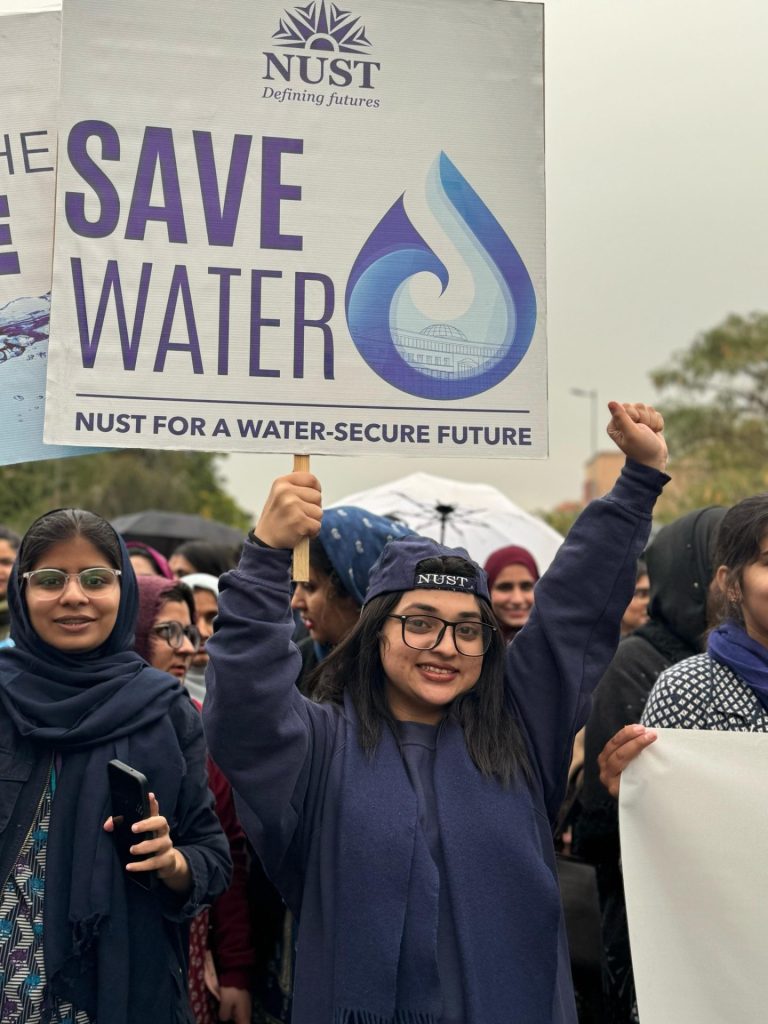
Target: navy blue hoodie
<point>288,761</point>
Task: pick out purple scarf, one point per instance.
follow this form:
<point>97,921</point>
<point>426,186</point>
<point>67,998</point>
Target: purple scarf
<point>732,646</point>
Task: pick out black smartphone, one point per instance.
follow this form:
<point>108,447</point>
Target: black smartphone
<point>129,795</point>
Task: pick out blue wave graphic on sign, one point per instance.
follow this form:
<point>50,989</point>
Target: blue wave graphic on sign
<point>467,354</point>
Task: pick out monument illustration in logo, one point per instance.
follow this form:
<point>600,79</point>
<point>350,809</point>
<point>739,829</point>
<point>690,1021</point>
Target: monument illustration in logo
<point>321,27</point>
<point>432,359</point>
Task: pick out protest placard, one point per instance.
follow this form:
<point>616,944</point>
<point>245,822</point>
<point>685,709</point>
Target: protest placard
<point>29,92</point>
<point>693,835</point>
<point>307,229</point>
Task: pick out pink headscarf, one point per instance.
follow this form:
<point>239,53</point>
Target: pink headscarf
<point>138,547</point>
<point>511,555</point>
<point>153,591</point>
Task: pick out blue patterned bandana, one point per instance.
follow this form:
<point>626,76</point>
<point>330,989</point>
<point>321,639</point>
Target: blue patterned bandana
<point>353,540</point>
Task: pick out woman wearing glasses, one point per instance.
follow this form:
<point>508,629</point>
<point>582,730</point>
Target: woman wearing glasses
<point>79,941</point>
<point>166,635</point>
<point>407,817</point>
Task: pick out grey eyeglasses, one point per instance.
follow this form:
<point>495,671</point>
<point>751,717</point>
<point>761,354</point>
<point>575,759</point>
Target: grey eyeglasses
<point>52,582</point>
<point>173,633</point>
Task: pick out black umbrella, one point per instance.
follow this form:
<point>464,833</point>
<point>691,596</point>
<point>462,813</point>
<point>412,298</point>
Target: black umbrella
<point>166,530</point>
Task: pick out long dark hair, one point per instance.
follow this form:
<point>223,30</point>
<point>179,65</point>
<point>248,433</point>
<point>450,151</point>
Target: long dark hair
<point>64,524</point>
<point>493,738</point>
<point>739,539</point>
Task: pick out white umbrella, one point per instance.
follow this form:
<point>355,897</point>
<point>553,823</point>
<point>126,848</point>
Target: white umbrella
<point>477,517</point>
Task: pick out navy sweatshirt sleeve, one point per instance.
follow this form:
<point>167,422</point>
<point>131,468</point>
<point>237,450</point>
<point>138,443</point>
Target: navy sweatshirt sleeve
<point>558,658</point>
<point>253,712</point>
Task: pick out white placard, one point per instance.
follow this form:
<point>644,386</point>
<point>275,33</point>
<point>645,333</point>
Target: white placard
<point>28,96</point>
<point>694,847</point>
<point>302,229</point>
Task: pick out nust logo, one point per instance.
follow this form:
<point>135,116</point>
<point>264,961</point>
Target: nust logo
<point>440,579</point>
<point>310,40</point>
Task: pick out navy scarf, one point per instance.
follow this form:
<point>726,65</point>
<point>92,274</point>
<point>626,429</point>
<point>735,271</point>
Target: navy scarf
<point>732,646</point>
<point>504,896</point>
<point>87,709</point>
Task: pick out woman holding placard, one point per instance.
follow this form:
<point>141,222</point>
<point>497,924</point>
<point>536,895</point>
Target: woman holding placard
<point>406,818</point>
<point>726,687</point>
<point>83,938</point>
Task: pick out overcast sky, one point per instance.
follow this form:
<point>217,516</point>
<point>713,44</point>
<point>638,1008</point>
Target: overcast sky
<point>657,220</point>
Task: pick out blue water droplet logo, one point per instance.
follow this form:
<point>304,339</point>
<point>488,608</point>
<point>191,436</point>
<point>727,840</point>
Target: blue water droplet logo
<point>467,354</point>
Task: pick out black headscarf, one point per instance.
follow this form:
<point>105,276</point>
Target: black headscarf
<point>680,569</point>
<point>89,708</point>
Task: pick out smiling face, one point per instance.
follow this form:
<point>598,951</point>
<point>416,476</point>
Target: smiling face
<point>421,685</point>
<point>512,597</point>
<point>162,655</point>
<point>327,615</point>
<point>72,621</point>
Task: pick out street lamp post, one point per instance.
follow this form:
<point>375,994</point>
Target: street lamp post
<point>591,394</point>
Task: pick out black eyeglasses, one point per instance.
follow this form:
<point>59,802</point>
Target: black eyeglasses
<point>173,633</point>
<point>424,633</point>
<point>53,582</point>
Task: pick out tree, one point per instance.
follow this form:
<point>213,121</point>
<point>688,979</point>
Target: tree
<point>563,517</point>
<point>717,414</point>
<point>118,482</point>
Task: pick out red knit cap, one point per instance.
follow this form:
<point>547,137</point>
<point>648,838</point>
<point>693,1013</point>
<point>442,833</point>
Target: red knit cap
<point>510,556</point>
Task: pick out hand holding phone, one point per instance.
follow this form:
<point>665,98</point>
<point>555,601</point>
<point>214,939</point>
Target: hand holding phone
<point>129,798</point>
<point>142,834</point>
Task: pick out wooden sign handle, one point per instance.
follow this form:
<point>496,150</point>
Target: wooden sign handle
<point>300,568</point>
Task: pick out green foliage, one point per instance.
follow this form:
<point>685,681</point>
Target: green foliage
<point>117,482</point>
<point>561,518</point>
<point>716,414</point>
<point>726,366</point>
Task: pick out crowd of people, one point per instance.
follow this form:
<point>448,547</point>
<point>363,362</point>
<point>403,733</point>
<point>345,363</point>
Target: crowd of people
<point>356,782</point>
